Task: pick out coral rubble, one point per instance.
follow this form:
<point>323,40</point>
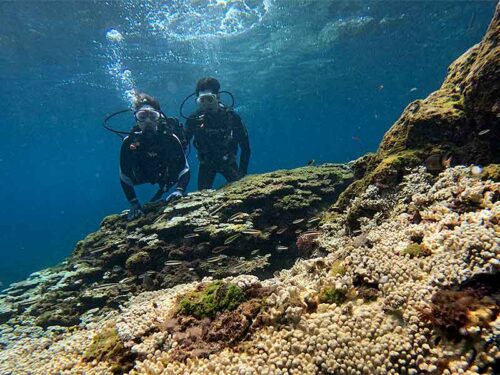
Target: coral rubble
<point>275,275</point>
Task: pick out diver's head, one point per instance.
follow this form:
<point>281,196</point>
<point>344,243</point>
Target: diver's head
<point>147,112</point>
<point>207,93</point>
<point>142,99</point>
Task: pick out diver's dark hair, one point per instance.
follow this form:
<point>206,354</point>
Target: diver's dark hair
<point>142,98</point>
<point>207,83</point>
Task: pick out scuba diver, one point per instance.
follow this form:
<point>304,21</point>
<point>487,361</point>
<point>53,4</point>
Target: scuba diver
<point>218,131</point>
<point>153,152</point>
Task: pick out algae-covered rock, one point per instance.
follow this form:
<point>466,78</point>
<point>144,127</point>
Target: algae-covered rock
<point>462,118</point>
<point>107,346</point>
<point>213,298</point>
<point>138,262</point>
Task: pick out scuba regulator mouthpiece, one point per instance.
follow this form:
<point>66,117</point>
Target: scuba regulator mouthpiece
<point>208,101</point>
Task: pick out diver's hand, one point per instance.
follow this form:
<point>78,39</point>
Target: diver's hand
<point>174,196</point>
<point>135,210</point>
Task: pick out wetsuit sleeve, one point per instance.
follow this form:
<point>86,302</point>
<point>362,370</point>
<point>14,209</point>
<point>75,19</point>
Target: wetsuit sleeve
<point>179,131</point>
<point>241,136</point>
<point>181,162</point>
<point>126,171</point>
<point>189,130</point>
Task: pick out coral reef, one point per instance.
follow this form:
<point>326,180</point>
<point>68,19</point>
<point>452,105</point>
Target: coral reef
<point>250,226</point>
<point>265,276</point>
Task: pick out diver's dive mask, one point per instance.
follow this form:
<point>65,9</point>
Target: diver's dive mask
<point>147,118</point>
<point>147,114</point>
<point>208,101</point>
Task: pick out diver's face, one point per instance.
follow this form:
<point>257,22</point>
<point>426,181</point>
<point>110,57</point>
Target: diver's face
<point>208,101</point>
<point>147,118</point>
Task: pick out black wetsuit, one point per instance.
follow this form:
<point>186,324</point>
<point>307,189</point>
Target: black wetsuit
<point>153,157</point>
<point>216,138</point>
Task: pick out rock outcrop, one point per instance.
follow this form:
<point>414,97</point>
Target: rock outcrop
<point>248,227</point>
<point>462,118</point>
<point>400,275</point>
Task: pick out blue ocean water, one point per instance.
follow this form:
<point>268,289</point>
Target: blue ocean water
<point>312,79</point>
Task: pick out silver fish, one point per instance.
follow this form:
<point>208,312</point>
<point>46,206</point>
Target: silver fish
<point>232,238</point>
<point>483,132</point>
<point>219,249</point>
<point>314,220</point>
<point>172,263</point>
<point>252,232</point>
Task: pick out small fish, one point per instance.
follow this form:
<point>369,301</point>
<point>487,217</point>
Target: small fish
<point>216,209</point>
<point>356,138</point>
<point>127,280</point>
<point>232,238</point>
<point>272,228</point>
<point>413,89</point>
<point>216,258</point>
<point>171,263</point>
<point>255,252</point>
<point>298,231</point>
<point>100,249</point>
<point>280,248</point>
<point>311,162</point>
<point>314,220</point>
<point>191,235</point>
<point>219,249</point>
<point>239,266</point>
<point>199,229</point>
<point>252,232</point>
<point>312,233</point>
<point>105,286</point>
<point>237,215</point>
<point>476,170</point>
<point>483,132</point>
<point>380,88</point>
<point>281,231</point>
<point>471,22</point>
<point>439,162</point>
<point>160,218</point>
<point>297,221</point>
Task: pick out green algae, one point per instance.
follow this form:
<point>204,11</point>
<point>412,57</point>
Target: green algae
<point>333,295</point>
<point>137,262</point>
<point>491,172</point>
<point>108,346</point>
<point>415,250</point>
<point>213,298</point>
<point>338,268</point>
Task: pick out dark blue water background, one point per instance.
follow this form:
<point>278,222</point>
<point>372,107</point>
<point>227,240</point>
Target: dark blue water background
<point>315,79</point>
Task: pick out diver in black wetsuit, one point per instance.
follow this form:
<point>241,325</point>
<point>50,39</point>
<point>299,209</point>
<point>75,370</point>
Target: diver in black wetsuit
<point>154,153</point>
<point>217,132</point>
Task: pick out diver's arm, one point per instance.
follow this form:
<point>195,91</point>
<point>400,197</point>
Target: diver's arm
<point>241,134</point>
<point>189,130</point>
<point>184,174</point>
<point>182,166</point>
<point>126,171</point>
